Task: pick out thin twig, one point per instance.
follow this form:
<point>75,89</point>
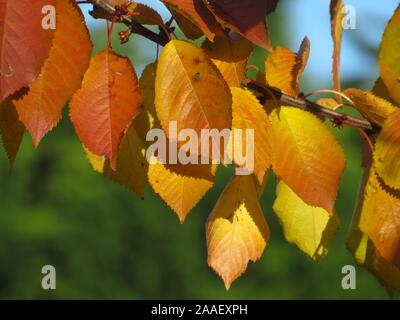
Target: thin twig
<point>308,105</point>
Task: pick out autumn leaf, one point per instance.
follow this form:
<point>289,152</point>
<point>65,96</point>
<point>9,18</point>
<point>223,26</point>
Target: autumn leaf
<point>41,109</point>
<point>389,57</point>
<point>147,118</point>
<point>283,68</point>
<point>190,90</point>
<point>236,230</point>
<point>106,104</point>
<point>337,15</point>
<point>380,218</point>
<point>24,44</point>
<point>246,17</point>
<point>248,113</point>
<point>374,108</point>
<point>387,151</point>
<point>380,90</point>
<point>310,228</point>
<point>11,128</point>
<point>230,54</point>
<point>329,103</point>
<point>181,186</point>
<point>132,166</point>
<point>306,156</point>
<point>363,248</point>
<point>144,14</point>
<point>191,14</point>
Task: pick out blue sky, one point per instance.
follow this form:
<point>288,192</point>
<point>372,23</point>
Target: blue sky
<point>311,18</point>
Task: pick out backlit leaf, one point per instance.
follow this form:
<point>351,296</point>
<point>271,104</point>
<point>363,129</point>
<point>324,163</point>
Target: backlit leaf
<point>248,113</point>
<point>230,54</point>
<point>337,15</point>
<point>387,151</point>
<point>306,156</point>
<point>24,44</point>
<point>236,230</point>
<point>106,104</point>
<point>283,68</point>
<point>389,57</point>
<point>132,166</point>
<point>181,186</point>
<point>374,108</point>
<point>190,90</point>
<point>245,16</point>
<point>41,109</point>
<point>310,228</point>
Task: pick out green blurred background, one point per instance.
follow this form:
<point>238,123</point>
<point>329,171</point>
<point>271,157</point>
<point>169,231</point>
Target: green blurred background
<point>106,243</point>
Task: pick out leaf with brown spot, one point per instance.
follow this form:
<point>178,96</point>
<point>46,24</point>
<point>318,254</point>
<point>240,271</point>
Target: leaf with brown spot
<point>106,104</point>
<point>236,231</point>
<point>41,109</point>
<point>24,44</point>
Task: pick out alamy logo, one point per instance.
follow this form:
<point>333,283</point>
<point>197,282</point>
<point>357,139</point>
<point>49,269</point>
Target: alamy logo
<point>212,146</point>
<point>49,280</point>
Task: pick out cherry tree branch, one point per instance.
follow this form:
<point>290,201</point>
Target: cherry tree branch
<point>301,102</point>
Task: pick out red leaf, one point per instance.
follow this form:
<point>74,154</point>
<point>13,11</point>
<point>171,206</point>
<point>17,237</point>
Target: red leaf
<point>24,44</point>
<point>106,104</point>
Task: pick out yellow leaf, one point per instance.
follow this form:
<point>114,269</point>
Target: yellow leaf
<point>380,90</point>
<point>132,166</point>
<point>236,230</point>
<point>310,228</point>
<point>337,15</point>
<point>380,218</point>
<point>190,90</point>
<point>11,128</point>
<point>329,103</point>
<point>248,113</point>
<point>147,118</point>
<point>389,57</point>
<point>283,68</point>
<point>363,248</point>
<point>306,156</point>
<point>230,55</point>
<point>374,108</point>
<point>61,75</point>
<point>181,186</point>
<point>387,151</point>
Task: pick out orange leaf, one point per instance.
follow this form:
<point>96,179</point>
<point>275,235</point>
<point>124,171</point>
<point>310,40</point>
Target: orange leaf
<point>248,113</point>
<point>337,16</point>
<point>306,156</point>
<point>387,151</point>
<point>190,90</point>
<point>236,230</point>
<point>380,218</point>
<point>24,43</point>
<point>374,108</point>
<point>106,104</point>
<point>41,109</point>
<point>389,57</point>
<point>12,130</point>
<point>181,186</point>
<point>246,17</point>
<point>283,68</point>
<point>230,55</point>
<point>196,13</point>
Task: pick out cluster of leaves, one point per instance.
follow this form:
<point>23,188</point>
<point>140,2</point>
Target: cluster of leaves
<point>205,88</point>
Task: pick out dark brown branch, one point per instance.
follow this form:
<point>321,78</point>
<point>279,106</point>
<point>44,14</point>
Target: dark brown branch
<point>308,105</point>
<point>161,39</point>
